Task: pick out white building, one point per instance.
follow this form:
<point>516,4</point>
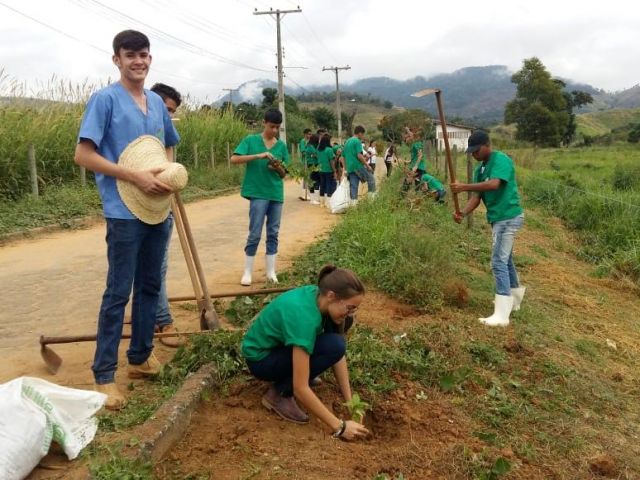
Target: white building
<point>458,135</point>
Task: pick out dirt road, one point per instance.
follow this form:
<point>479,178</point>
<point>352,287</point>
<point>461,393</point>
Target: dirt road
<point>53,284</point>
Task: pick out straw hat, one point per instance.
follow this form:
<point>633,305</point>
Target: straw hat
<point>144,153</point>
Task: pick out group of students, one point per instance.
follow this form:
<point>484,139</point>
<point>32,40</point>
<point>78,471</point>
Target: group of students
<point>300,334</point>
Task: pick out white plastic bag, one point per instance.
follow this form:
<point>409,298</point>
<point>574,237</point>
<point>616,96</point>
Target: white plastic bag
<point>33,413</point>
<point>339,201</point>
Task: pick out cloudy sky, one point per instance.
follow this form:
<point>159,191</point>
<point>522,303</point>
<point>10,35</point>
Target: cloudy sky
<point>202,47</point>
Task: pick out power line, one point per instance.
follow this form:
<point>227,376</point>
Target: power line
<point>185,45</point>
<point>336,70</point>
<point>317,37</point>
<point>102,50</point>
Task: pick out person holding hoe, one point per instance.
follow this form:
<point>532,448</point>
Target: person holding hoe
<point>495,184</point>
<point>293,340</point>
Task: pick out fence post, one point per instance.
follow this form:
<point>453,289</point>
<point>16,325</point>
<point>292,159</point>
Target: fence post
<point>469,180</point>
<point>83,177</point>
<point>33,170</point>
<point>228,156</point>
<point>195,155</point>
<point>213,158</point>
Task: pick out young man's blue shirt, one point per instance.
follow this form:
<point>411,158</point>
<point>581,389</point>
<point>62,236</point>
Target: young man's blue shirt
<point>112,120</point>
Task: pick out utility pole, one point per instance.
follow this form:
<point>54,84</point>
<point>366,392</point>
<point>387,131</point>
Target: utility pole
<point>338,110</point>
<point>279,15</point>
<point>230,90</point>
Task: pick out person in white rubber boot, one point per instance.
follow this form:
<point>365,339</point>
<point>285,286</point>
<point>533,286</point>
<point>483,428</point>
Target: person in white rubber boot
<point>495,184</point>
<point>266,157</point>
<point>356,165</point>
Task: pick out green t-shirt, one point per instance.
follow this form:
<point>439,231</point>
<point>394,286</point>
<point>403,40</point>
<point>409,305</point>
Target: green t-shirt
<point>415,148</point>
<point>352,148</point>
<point>311,155</point>
<point>260,181</point>
<point>325,157</point>
<point>503,203</point>
<point>432,182</point>
<point>293,319</point>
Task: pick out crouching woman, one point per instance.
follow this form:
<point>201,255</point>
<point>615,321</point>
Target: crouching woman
<point>293,340</point>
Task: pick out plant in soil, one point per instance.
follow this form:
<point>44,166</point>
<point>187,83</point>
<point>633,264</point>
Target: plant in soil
<point>357,408</point>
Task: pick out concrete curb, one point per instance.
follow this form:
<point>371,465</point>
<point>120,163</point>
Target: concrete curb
<point>167,426</point>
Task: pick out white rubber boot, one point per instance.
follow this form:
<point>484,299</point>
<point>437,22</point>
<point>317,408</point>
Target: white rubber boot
<point>322,200</point>
<point>271,268</point>
<point>518,295</point>
<point>353,203</point>
<point>500,317</point>
<point>248,269</point>
<point>314,198</point>
<point>372,195</point>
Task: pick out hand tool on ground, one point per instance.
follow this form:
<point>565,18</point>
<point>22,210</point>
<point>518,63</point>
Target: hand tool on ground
<point>53,360</point>
<point>443,123</point>
<point>239,293</point>
<point>208,316</point>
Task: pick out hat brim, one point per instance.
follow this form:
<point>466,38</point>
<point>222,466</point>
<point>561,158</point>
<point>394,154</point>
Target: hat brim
<point>144,153</point>
<point>474,148</point>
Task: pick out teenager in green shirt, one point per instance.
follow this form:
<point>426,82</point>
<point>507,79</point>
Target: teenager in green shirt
<point>417,165</point>
<point>312,167</point>
<point>327,165</point>
<point>356,165</point>
<point>293,340</point>
<point>302,146</point>
<point>266,157</point>
<point>432,185</point>
<point>495,184</point>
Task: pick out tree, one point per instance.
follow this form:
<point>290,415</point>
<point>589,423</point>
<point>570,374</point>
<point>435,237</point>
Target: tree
<point>270,97</point>
<point>248,112</point>
<point>392,126</point>
<point>324,118</point>
<point>542,110</point>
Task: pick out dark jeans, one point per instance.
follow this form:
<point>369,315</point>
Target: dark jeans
<point>315,181</point>
<point>134,251</point>
<point>259,210</point>
<point>328,184</point>
<point>389,166</point>
<point>277,367</point>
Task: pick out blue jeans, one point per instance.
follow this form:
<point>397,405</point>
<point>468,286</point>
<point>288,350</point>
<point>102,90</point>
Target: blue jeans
<point>361,175</point>
<point>163,315</point>
<point>259,210</point>
<point>277,367</point>
<point>504,271</point>
<point>134,251</point>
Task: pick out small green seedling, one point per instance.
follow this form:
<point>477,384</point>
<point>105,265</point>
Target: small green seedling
<point>357,408</point>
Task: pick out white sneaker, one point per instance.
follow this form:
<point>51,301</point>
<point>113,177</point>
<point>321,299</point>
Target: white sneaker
<point>314,198</point>
<point>248,269</point>
<point>518,295</point>
<point>502,309</point>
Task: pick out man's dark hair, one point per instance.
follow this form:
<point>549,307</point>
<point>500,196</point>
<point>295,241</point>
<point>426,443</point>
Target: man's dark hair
<point>165,91</point>
<point>273,115</point>
<point>325,142</point>
<point>321,131</point>
<point>306,130</point>
<point>130,40</point>
<point>358,129</point>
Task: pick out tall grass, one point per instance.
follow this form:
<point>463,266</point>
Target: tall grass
<point>49,118</point>
<point>596,192</point>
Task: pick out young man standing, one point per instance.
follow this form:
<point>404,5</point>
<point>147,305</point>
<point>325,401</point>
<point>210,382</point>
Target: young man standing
<point>266,157</point>
<point>164,322</point>
<point>356,165</point>
<point>495,184</point>
<point>417,165</point>
<point>115,116</point>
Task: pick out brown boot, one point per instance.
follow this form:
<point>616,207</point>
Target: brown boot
<point>115,399</point>
<point>148,368</point>
<point>285,407</point>
<point>173,342</point>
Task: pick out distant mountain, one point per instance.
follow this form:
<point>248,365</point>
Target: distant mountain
<point>477,94</point>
